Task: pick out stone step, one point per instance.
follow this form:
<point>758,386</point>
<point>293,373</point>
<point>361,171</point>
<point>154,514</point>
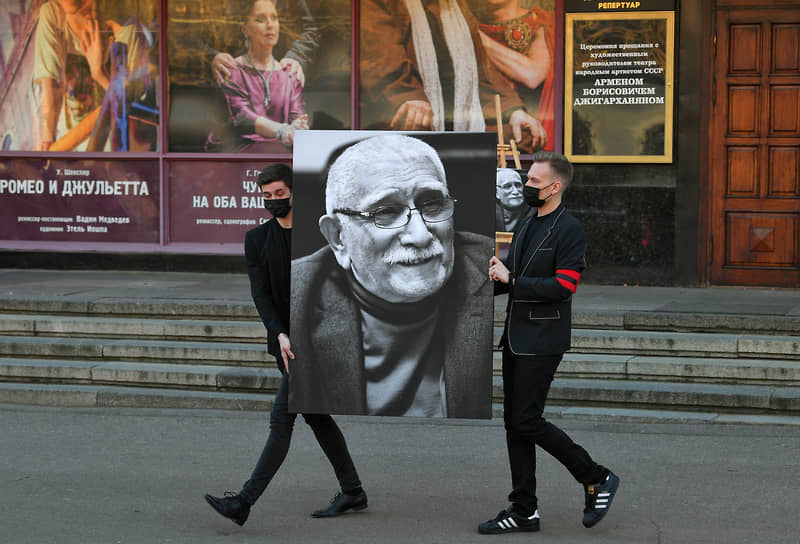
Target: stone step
<point>130,397</point>
<point>681,344</point>
<point>583,340</point>
<point>731,372</point>
<point>738,367</point>
<point>638,415</point>
<point>239,354</point>
<point>565,389</point>
<point>747,320</point>
<point>122,307</point>
<point>139,397</point>
<point>682,369</point>
<point>218,377</point>
<point>754,399</point>
<point>180,308</point>
<point>152,328</point>
<point>689,322</point>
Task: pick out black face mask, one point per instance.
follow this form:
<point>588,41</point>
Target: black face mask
<point>531,195</point>
<point>278,207</point>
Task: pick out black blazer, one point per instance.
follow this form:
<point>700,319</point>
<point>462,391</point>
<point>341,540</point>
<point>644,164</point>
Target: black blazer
<point>539,311</point>
<point>268,258</point>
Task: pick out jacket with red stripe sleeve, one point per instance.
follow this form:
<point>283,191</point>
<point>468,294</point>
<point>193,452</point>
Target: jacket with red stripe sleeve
<point>546,273</point>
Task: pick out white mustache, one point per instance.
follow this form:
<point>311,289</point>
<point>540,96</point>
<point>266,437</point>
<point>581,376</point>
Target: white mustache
<point>400,254</point>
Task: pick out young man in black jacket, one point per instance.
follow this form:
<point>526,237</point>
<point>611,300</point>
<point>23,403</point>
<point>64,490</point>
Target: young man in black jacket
<point>542,271</point>
<point>268,254</point>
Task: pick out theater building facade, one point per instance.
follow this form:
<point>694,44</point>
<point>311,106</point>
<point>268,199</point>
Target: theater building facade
<point>129,145</point>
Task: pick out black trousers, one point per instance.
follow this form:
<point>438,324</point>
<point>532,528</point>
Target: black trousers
<point>281,425</point>
<point>526,382</point>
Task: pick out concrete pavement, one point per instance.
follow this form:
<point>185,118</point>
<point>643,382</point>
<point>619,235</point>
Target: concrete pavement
<point>125,286</point>
<point>104,476</point>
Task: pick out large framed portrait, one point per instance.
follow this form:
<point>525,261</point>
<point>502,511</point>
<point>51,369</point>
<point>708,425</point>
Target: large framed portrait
<point>391,306</point>
<point>72,85</point>
<point>510,208</point>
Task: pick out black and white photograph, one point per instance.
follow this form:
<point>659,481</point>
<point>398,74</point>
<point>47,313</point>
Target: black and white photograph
<point>510,208</point>
<point>391,306</point>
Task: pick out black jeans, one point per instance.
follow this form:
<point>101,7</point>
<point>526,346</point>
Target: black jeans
<point>526,382</point>
<point>281,425</point>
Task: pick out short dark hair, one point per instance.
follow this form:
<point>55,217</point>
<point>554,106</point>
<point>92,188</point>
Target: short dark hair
<point>558,162</point>
<point>276,172</point>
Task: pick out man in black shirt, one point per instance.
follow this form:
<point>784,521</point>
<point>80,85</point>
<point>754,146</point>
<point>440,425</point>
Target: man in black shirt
<point>268,255</point>
<point>544,265</point>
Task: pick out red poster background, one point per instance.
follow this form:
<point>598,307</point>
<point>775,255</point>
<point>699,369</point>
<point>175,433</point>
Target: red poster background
<point>79,201</point>
<point>213,202</point>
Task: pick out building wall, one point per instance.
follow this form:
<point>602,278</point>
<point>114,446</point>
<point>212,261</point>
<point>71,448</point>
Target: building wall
<point>642,220</point>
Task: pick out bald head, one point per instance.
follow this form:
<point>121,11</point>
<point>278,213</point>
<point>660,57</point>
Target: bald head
<point>509,189</point>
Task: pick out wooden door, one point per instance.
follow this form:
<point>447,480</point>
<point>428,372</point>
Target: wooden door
<point>755,147</point>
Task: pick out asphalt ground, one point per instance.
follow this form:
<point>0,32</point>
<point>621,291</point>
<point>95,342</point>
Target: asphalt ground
<point>106,476</point>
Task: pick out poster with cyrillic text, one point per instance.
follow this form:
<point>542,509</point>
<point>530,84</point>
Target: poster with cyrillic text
<point>618,99</point>
<point>79,201</point>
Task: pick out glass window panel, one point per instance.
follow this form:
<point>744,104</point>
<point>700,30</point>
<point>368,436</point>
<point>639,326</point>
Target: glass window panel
<point>424,69</point>
<point>79,75</point>
<point>229,91</point>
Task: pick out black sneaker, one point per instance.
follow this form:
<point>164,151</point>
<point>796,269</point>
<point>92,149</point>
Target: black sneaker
<point>598,499</point>
<point>232,506</point>
<point>509,522</point>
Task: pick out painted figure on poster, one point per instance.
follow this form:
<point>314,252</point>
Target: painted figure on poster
<point>389,313</point>
<point>521,43</point>
<point>423,66</point>
<point>297,59</point>
<point>510,206</point>
<point>72,68</point>
<point>264,101</point>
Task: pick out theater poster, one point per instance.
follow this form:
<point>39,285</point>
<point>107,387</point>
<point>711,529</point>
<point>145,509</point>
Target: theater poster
<point>79,201</point>
<point>240,70</point>
<point>79,76</point>
<point>391,306</point>
<point>618,92</point>
<point>426,67</point>
<point>213,202</point>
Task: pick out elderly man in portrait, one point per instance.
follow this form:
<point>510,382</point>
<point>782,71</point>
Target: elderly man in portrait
<point>391,316</point>
<point>510,207</point>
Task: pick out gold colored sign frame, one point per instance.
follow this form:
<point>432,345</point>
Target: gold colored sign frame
<point>502,243</point>
<point>570,18</point>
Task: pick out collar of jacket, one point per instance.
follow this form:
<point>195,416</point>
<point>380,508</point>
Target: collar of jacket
<point>542,235</point>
